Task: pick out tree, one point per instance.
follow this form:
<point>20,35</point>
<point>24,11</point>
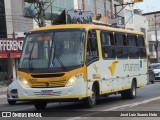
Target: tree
<point>38,10</point>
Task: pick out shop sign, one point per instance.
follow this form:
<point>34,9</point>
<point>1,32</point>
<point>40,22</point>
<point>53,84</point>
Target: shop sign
<point>11,45</point>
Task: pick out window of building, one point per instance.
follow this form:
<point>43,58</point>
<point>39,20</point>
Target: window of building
<point>151,47</point>
<point>90,6</point>
<point>133,46</point>
<point>3,30</point>
<point>107,42</point>
<point>92,47</point>
<point>100,7</point>
<point>121,45</point>
<point>129,16</point>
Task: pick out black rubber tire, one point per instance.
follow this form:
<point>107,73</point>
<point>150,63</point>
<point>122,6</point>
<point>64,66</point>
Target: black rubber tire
<point>40,105</point>
<point>131,93</point>
<point>91,101</point>
<point>11,102</point>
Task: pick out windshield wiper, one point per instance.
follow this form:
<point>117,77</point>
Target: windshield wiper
<point>59,60</point>
<point>57,57</point>
<point>30,55</point>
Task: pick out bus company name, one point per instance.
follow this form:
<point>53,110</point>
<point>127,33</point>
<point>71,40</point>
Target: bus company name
<point>131,67</point>
<point>11,45</point>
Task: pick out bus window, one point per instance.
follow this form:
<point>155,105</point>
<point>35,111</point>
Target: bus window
<point>92,47</point>
<point>121,45</point>
<point>133,47</point>
<point>108,48</point>
<point>141,41</point>
<point>142,49</point>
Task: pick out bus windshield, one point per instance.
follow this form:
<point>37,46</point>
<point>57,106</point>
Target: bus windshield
<point>53,49</point>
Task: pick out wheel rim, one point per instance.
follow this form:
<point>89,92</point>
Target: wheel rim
<point>93,98</point>
<point>134,90</point>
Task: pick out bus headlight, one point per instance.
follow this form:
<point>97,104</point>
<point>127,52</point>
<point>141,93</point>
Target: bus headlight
<point>73,79</point>
<point>24,82</point>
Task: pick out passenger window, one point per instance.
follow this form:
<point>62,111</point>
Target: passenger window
<point>121,45</point>
<point>133,46</point>
<point>141,41</point>
<point>108,48</point>
<point>141,45</point>
<point>92,47</point>
<point>132,40</point>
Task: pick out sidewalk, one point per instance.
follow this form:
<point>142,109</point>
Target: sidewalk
<point>3,90</point>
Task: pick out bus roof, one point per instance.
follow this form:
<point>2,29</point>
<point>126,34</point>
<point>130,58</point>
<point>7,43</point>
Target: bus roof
<point>87,27</point>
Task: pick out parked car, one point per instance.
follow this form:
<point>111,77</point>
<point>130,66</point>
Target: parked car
<point>156,70</point>
<point>151,75</point>
<point>12,95</point>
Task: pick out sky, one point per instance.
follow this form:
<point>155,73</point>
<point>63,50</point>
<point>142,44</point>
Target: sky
<point>148,6</point>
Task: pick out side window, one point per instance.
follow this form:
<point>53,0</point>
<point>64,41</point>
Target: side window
<point>141,45</point>
<point>92,47</point>
<point>107,42</point>
<point>133,46</point>
<point>121,45</point>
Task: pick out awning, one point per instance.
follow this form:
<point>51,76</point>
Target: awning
<point>3,55</point>
<point>15,55</point>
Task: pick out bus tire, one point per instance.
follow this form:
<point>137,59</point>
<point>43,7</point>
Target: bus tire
<point>91,101</point>
<point>131,93</point>
<point>40,105</point>
<point>11,102</point>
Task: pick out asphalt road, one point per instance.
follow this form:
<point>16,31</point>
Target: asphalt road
<point>145,94</point>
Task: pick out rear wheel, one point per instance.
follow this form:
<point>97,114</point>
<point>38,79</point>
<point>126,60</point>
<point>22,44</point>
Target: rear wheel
<point>131,93</point>
<point>91,101</point>
<point>40,105</point>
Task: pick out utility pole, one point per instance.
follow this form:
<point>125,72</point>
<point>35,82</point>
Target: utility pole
<point>156,46</point>
<point>123,6</point>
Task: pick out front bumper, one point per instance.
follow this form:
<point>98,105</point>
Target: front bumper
<point>76,91</point>
<point>157,76</point>
<point>11,96</point>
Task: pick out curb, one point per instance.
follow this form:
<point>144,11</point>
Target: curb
<point>3,96</point>
<point>3,89</point>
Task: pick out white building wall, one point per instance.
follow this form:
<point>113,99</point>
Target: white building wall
<point>140,22</point>
<point>129,25</point>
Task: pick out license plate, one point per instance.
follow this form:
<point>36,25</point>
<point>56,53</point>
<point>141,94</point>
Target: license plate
<point>46,92</point>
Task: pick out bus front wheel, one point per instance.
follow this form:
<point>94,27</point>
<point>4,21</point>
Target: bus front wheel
<point>91,101</point>
<point>40,105</point>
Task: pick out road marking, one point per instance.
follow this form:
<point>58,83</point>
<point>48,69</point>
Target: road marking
<point>118,107</point>
<point>20,109</point>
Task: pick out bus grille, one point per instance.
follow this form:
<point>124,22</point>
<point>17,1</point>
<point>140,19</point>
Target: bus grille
<point>48,84</point>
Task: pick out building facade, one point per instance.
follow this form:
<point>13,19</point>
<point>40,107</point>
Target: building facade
<point>12,27</point>
<point>153,34</point>
<point>101,9</point>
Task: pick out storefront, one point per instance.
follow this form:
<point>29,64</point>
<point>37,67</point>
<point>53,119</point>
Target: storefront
<point>10,52</point>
